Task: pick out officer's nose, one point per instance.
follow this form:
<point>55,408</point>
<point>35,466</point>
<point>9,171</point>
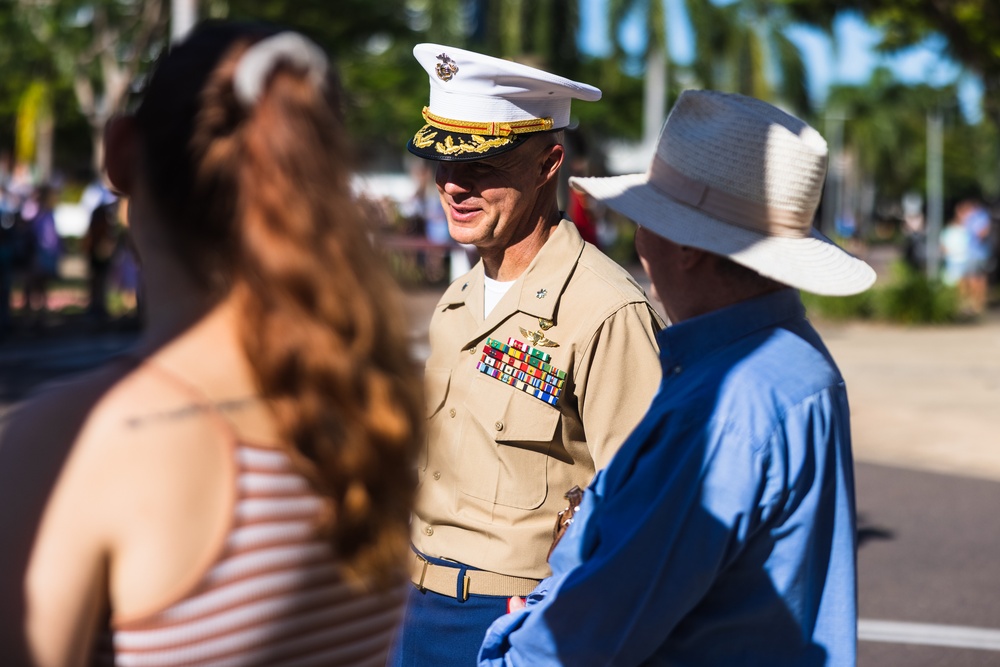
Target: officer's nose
<point>451,178</point>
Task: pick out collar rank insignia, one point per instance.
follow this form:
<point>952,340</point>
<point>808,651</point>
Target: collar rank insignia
<point>447,68</point>
<point>538,338</point>
<point>523,367</point>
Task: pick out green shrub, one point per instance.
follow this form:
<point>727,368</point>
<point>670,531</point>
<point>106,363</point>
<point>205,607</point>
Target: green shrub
<point>907,298</point>
<point>913,299</point>
<point>855,307</point>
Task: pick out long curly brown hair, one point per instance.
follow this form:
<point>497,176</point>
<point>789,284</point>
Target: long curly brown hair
<point>260,203</point>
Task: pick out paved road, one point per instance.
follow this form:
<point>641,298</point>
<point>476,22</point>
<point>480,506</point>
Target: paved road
<point>927,441</point>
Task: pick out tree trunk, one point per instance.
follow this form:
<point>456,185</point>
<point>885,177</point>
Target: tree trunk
<point>97,144</point>
<point>44,146</point>
<point>654,96</point>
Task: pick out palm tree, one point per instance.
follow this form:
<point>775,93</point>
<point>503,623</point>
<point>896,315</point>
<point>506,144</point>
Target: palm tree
<point>743,48</point>
<point>541,33</point>
<point>740,47</point>
<point>655,53</point>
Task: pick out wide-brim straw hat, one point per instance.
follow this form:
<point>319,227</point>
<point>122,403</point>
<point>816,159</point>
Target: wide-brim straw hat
<point>738,177</point>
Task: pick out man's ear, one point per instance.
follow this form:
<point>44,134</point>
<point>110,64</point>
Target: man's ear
<point>121,153</point>
<point>692,257</point>
<point>552,160</point>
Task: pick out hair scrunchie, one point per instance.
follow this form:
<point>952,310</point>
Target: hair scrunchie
<point>257,63</point>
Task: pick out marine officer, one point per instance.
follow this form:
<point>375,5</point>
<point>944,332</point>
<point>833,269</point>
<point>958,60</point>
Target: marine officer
<point>543,357</point>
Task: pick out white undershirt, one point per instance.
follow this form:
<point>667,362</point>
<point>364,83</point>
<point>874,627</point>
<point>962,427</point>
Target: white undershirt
<point>493,291</point>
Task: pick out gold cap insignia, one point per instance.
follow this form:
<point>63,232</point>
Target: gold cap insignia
<point>447,68</point>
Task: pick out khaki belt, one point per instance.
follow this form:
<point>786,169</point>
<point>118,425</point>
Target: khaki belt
<point>444,580</point>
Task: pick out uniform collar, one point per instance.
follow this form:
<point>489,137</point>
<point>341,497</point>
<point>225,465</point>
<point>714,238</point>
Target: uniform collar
<point>687,342</point>
<point>537,290</point>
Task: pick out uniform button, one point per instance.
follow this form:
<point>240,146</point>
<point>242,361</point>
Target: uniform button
<point>499,426</point>
<point>472,350</point>
<point>429,530</point>
<point>677,370</point>
<point>437,474</point>
<point>452,413</point>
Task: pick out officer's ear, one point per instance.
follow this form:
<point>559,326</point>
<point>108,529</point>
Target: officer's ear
<point>551,159</point>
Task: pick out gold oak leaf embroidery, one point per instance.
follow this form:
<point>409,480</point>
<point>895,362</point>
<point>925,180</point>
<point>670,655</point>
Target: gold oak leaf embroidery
<point>424,138</point>
<point>479,145</point>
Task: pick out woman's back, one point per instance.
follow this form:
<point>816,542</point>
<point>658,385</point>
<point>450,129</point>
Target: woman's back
<point>211,531</point>
<point>210,498</point>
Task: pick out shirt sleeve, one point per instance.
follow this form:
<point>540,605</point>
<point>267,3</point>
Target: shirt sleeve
<point>618,378</point>
<point>659,526</point>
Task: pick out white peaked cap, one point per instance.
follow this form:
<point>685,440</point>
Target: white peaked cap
<point>494,90</point>
<point>473,96</point>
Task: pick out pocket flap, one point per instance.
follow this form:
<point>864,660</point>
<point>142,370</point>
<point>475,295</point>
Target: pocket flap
<point>511,415</point>
<point>528,419</point>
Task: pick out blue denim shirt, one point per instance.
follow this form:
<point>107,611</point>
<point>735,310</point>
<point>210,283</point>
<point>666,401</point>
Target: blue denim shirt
<point>723,531</point>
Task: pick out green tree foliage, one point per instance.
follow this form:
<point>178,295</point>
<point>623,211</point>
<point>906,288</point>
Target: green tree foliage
<point>25,61</point>
<point>738,46</point>
<point>742,47</point>
<point>96,47</point>
<point>371,44</point>
<point>970,29</point>
<point>907,297</point>
<point>885,128</point>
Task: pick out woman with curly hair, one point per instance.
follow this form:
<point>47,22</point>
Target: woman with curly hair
<point>235,491</point>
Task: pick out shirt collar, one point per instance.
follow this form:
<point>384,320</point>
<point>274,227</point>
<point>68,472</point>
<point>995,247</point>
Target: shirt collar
<point>537,289</point>
<point>686,342</point>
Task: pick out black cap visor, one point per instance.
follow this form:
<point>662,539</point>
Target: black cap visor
<point>432,143</point>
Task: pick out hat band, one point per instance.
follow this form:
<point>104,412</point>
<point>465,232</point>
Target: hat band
<point>726,206</point>
<point>501,129</point>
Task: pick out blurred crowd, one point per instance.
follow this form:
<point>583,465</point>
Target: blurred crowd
<point>968,250</point>
<point>968,254</point>
<point>32,251</point>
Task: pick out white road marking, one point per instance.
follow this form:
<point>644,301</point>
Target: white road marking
<point>928,634</point>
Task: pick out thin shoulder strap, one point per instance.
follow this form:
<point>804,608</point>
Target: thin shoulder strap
<point>200,400</point>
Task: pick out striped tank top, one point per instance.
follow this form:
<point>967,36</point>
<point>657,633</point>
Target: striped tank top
<point>274,594</point>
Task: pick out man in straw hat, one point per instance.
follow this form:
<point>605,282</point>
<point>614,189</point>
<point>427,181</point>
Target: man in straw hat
<point>543,357</point>
<point>723,531</point>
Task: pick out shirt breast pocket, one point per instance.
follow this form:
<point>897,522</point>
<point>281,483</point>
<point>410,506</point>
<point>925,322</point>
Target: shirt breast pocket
<point>510,465</point>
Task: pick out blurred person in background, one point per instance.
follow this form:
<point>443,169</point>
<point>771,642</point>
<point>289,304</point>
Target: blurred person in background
<point>956,258</point>
<point>99,245</point>
<point>238,488</point>
<point>125,274</point>
<point>426,205</point>
<point>8,251</point>
<point>581,207</point>
<point>976,220</point>
<point>45,250</point>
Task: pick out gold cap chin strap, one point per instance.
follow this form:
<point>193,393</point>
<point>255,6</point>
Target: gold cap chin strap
<point>494,129</point>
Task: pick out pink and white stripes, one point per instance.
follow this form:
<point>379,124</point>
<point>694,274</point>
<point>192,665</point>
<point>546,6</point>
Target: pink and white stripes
<point>274,596</point>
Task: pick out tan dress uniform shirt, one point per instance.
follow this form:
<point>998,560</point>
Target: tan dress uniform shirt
<point>498,459</point>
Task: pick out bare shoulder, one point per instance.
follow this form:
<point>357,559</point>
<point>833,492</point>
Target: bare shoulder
<point>99,429</point>
<point>38,441</point>
<point>38,434</point>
